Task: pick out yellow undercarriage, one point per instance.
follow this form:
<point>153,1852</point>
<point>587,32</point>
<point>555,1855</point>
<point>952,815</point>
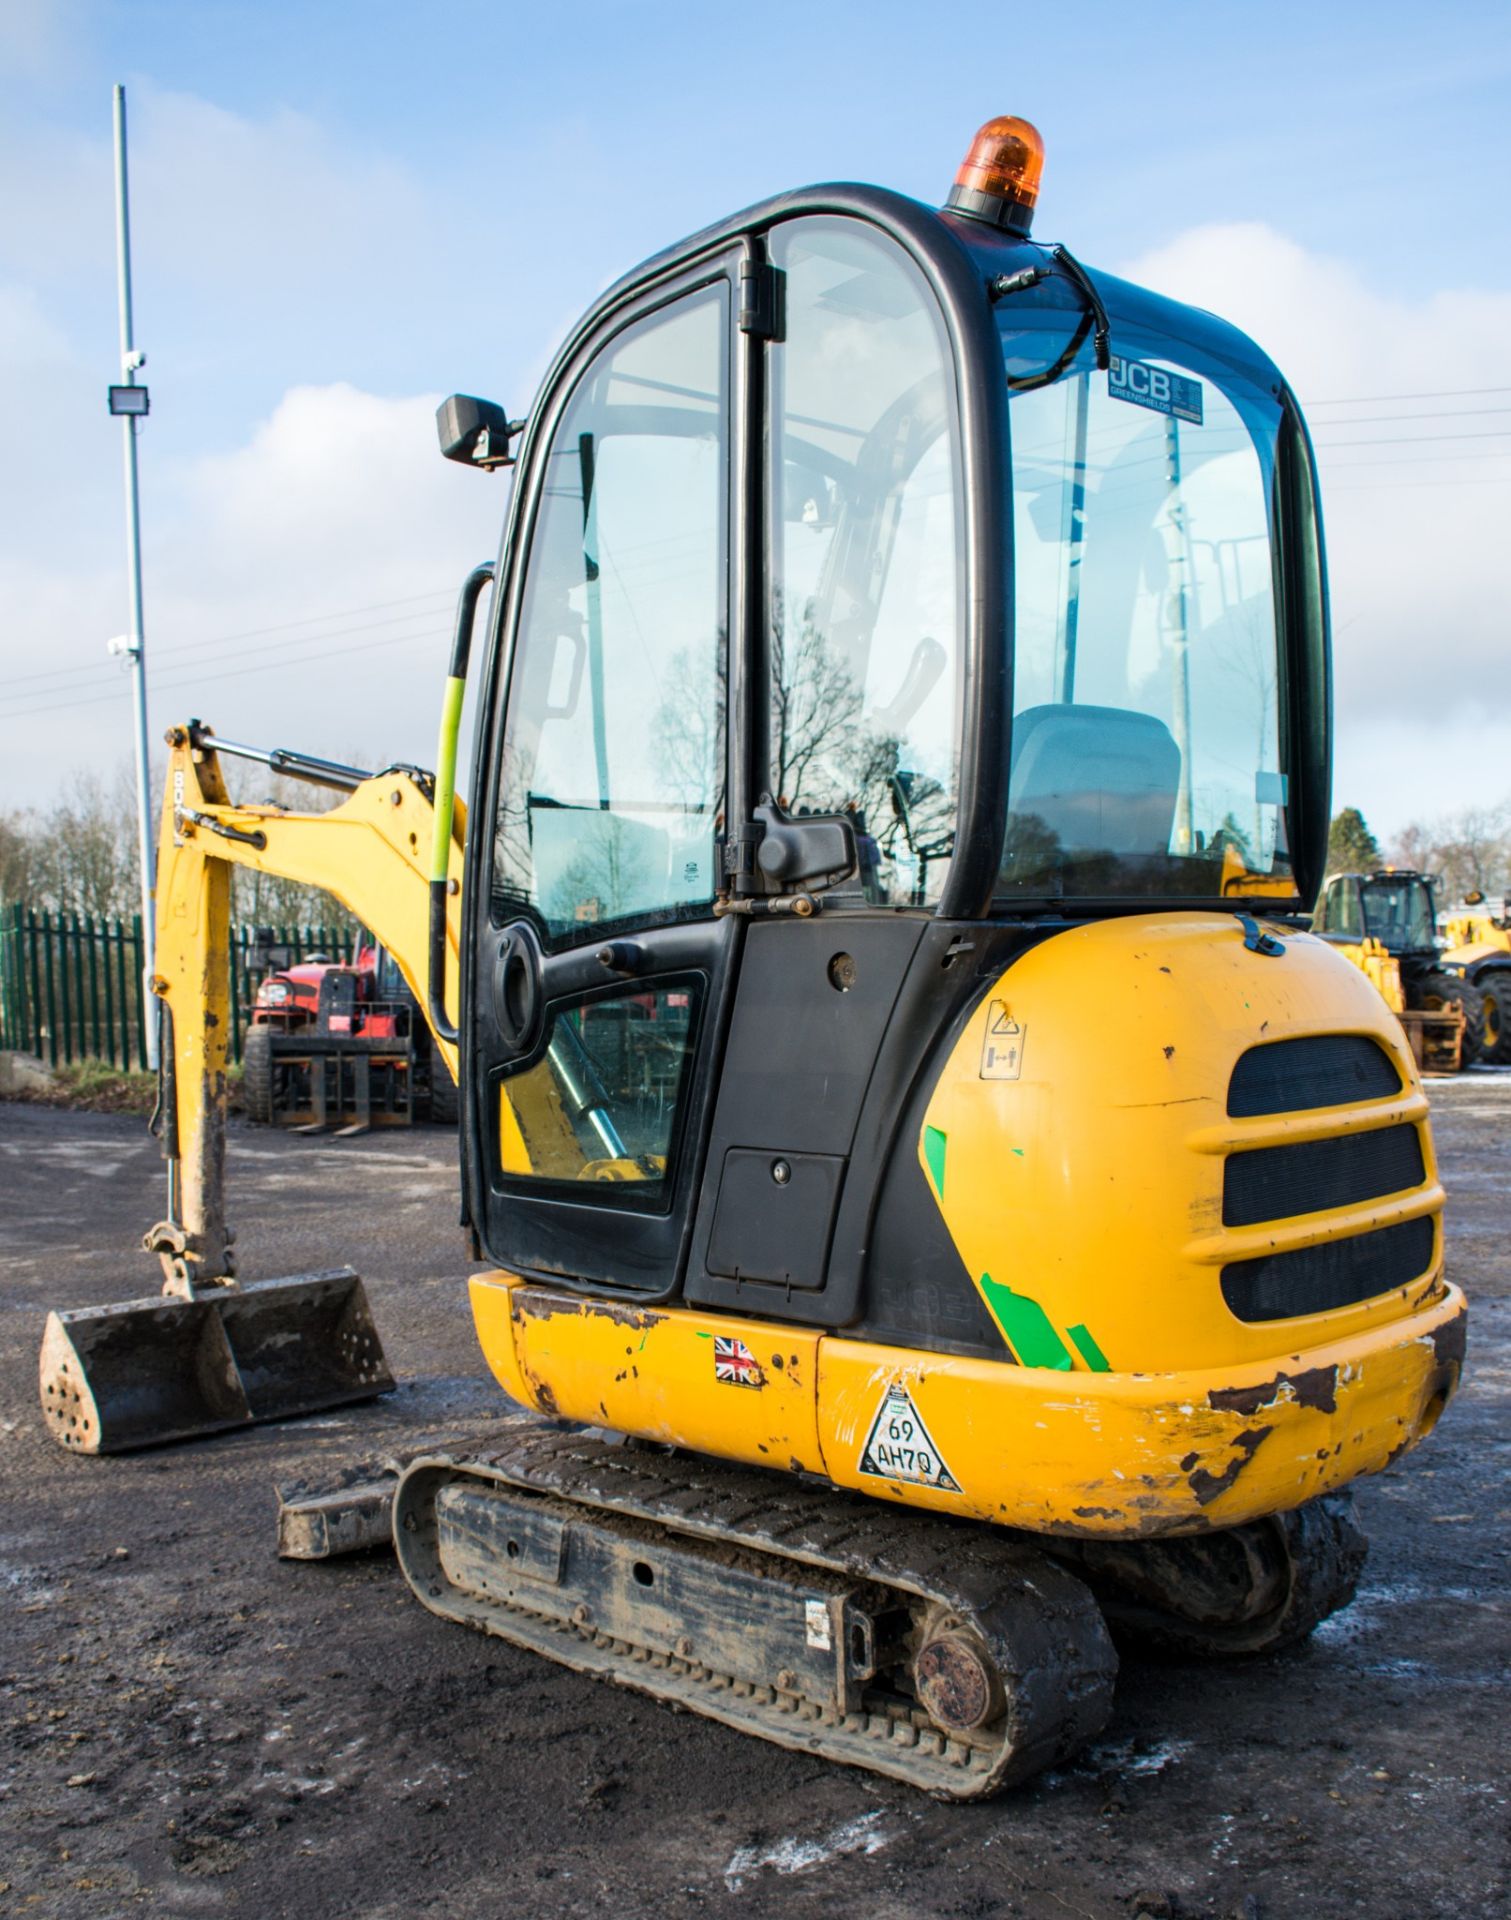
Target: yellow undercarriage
<point>1116,1455</point>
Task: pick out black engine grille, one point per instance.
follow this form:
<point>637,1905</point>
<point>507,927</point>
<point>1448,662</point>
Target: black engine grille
<point>1273,1183</point>
<point>1281,1286</point>
<point>1318,1070</point>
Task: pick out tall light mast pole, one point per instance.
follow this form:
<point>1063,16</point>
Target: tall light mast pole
<point>131,403</point>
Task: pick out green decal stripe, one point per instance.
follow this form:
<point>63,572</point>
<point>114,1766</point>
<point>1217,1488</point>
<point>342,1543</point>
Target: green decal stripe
<point>933,1153</point>
<point>1025,1327</point>
<point>445,778</point>
<point>1091,1353</point>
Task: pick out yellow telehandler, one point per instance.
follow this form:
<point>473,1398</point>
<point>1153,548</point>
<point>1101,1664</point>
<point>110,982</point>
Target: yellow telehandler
<point>901,1101</point>
<point>1479,948</point>
<point>1386,924</point>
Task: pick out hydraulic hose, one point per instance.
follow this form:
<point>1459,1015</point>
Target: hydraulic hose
<point>445,794</point>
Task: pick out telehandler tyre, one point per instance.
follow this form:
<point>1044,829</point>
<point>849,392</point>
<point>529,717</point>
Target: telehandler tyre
<point>1495,993</point>
<point>1439,989</point>
<point>257,1074</point>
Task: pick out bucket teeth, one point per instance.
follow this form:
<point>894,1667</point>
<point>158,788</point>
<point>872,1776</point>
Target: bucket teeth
<point>140,1373</point>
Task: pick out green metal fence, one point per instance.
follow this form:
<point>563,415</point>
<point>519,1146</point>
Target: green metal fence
<point>71,985</point>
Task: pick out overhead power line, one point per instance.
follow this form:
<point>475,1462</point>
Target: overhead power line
<point>1410,459</point>
<point>214,676</point>
<point>1392,484</point>
<point>207,652</point>
<point>208,649</point>
<point>1420,439</point>
<point>312,619</point>
<point>1437,413</point>
<point>1379,399</point>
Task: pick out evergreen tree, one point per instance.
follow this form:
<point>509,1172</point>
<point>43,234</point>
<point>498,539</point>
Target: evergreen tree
<point>1351,847</point>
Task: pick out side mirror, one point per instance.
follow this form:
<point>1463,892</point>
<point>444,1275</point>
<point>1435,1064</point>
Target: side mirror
<point>1474,898</point>
<point>817,848</point>
<point>475,432</point>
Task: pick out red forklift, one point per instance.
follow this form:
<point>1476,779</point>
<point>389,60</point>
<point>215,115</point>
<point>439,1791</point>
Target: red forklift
<point>338,1047</point>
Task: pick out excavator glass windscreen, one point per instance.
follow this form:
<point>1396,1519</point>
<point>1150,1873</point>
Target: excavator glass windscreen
<point>1146,752</point>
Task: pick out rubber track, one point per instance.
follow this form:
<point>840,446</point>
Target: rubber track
<point>1040,1623</point>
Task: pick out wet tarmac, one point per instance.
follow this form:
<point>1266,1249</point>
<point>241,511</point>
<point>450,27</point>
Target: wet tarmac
<point>190,1726</point>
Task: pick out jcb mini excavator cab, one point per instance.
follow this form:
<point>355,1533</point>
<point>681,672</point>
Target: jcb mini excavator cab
<point>892,1059</point>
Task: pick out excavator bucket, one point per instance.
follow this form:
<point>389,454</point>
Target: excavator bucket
<point>143,1372</point>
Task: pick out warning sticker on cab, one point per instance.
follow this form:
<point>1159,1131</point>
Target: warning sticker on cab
<point>1002,1044</point>
<point>899,1446</point>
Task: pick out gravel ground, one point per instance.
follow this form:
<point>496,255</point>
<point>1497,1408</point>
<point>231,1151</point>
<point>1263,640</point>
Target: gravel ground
<point>190,1726</point>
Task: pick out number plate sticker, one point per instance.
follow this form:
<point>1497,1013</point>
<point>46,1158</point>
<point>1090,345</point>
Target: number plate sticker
<point>899,1446</point>
<point>1144,385</point>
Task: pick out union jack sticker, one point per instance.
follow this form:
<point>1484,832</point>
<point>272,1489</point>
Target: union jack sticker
<point>735,1364</point>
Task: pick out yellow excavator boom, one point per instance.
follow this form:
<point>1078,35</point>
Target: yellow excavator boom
<point>210,1353</point>
<point>372,853</point>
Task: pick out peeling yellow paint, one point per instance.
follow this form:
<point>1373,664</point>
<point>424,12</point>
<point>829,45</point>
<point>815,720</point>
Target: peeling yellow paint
<point>1017,1458</point>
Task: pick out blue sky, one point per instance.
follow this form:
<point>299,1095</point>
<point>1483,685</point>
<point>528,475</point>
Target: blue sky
<point>344,211</point>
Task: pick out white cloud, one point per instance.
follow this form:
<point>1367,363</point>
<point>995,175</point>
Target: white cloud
<point>36,34</point>
<point>1416,543</point>
<point>337,500</point>
<point>253,210</point>
<point>338,514</point>
<point>268,252</point>
<point>266,207</point>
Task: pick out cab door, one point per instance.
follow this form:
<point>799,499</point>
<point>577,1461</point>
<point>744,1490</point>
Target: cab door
<point>599,973</point>
<point>864,602</point>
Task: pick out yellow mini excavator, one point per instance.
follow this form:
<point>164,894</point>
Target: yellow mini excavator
<point>902,1103</point>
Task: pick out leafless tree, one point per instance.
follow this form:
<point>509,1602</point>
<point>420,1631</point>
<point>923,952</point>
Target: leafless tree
<point>80,854</point>
<point>607,879</point>
<point>1470,850</point>
<point>267,899</point>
